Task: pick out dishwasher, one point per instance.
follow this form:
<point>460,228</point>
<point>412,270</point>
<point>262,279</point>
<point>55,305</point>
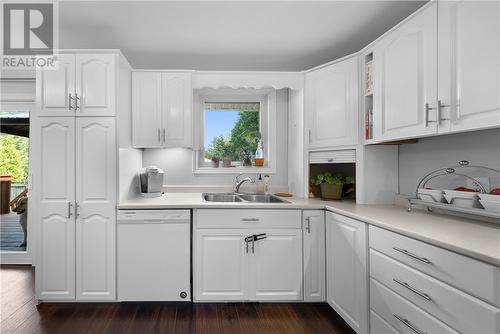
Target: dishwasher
<point>154,255</point>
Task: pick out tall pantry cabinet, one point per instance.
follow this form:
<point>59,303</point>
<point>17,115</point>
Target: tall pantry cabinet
<point>73,192</point>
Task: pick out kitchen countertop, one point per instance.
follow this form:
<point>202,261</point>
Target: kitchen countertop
<point>464,236</point>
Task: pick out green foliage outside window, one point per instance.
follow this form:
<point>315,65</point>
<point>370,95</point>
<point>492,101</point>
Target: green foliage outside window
<point>244,135</point>
<point>14,157</point>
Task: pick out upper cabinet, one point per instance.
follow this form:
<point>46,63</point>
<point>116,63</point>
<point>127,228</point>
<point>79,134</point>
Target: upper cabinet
<point>469,65</point>
<point>405,79</point>
<point>438,72</point>
<point>161,109</point>
<point>332,105</point>
<point>80,85</point>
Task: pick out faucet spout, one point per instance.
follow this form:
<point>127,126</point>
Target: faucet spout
<point>238,183</point>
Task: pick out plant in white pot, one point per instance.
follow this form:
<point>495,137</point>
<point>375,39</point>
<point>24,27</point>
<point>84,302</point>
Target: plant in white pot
<point>330,185</point>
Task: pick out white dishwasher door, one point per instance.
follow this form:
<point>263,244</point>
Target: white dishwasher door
<point>154,255</point>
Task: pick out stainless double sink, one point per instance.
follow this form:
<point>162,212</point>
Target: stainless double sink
<point>242,198</point>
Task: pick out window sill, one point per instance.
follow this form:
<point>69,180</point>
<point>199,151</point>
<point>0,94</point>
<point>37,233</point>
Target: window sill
<point>234,170</point>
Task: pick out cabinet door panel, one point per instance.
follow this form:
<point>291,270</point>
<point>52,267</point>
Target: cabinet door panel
<point>56,88</point>
<point>276,266</point>
<point>314,255</point>
<point>469,64</point>
<point>347,277</point>
<point>96,201</point>
<point>405,79</point>
<point>53,194</point>
<point>95,85</point>
<point>146,109</point>
<point>176,109</point>
<point>221,265</point>
<point>332,104</point>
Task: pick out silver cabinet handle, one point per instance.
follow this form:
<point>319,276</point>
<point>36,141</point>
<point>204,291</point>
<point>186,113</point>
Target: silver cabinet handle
<point>309,136</point>
<point>329,160</point>
<point>439,106</point>
<point>413,256</point>
<point>164,135</point>
<point>250,219</point>
<point>412,289</point>
<point>76,101</point>
<point>246,246</point>
<point>159,139</point>
<point>426,116</point>
<point>253,246</point>
<point>69,209</point>
<point>70,102</point>
<point>77,211</point>
<point>308,224</point>
<point>408,324</point>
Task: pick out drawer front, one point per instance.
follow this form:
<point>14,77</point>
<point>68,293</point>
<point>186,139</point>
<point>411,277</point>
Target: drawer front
<point>402,315</point>
<point>459,310</point>
<point>477,278</point>
<point>379,325</point>
<point>248,218</point>
<point>326,157</point>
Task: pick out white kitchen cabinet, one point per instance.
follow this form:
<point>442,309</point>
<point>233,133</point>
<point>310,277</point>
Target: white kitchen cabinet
<point>405,79</point>
<point>177,97</point>
<point>227,266</point>
<point>55,88</point>
<point>469,65</point>
<point>81,85</point>
<point>346,266</point>
<point>220,265</point>
<point>161,109</point>
<point>332,105</point>
<point>95,84</point>
<point>146,107</point>
<point>74,196</point>
<point>275,266</point>
<point>95,208</point>
<point>313,229</point>
<point>53,191</point>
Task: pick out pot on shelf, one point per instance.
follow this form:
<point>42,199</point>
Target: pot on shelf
<point>331,191</point>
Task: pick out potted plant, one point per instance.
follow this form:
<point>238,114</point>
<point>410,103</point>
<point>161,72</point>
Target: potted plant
<point>226,152</point>
<point>330,185</point>
<point>215,161</point>
<point>246,157</point>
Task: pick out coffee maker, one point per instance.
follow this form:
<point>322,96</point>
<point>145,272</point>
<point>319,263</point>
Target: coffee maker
<point>151,181</point>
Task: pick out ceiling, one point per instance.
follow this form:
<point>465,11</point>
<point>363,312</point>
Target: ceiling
<point>206,35</point>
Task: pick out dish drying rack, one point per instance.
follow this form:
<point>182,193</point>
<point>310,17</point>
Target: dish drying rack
<point>479,178</point>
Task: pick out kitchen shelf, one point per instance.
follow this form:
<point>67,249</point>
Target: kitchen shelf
<point>472,212</point>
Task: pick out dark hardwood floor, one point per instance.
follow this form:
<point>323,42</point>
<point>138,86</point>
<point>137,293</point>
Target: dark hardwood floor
<point>19,314</point>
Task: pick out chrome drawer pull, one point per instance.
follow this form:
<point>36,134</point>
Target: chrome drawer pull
<point>407,253</point>
<point>408,324</point>
<point>412,289</point>
<point>249,219</point>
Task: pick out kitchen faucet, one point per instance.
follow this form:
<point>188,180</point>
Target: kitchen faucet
<point>238,183</point>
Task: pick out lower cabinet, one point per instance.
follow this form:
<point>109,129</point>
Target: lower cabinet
<point>261,263</point>
<point>346,267</point>
<point>313,229</point>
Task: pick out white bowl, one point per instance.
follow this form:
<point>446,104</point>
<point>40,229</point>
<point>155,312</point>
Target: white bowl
<point>490,198</point>
<point>431,195</point>
<point>464,199</point>
<point>490,206</point>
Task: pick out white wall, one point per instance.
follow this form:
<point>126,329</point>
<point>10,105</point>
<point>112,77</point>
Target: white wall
<point>416,160</point>
<point>178,163</point>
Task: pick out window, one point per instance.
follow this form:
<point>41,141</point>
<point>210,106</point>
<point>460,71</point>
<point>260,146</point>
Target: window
<point>231,124</point>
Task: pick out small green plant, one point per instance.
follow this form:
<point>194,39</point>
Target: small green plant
<point>327,178</point>
<point>350,180</point>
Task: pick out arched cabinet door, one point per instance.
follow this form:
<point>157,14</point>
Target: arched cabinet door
<point>51,205</point>
<point>95,205</point>
<point>95,85</point>
<point>55,88</point>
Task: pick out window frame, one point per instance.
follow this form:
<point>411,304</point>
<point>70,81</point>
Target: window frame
<point>267,126</point>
